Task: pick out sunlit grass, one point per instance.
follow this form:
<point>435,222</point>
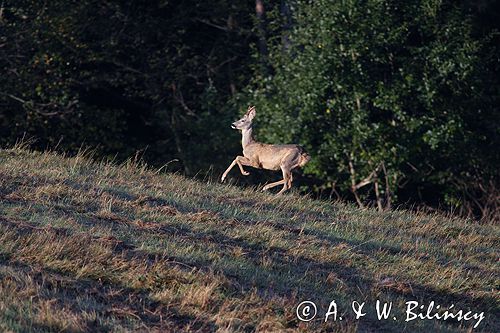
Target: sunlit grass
<point>90,246</point>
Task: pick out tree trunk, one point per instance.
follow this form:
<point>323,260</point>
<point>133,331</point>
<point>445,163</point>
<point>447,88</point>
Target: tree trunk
<point>261,28</point>
<point>286,13</point>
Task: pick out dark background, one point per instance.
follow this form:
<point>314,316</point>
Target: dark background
<point>402,94</point>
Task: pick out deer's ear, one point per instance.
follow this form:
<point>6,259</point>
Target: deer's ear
<point>251,113</point>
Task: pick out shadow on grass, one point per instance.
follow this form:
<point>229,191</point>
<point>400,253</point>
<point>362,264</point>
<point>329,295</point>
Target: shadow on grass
<point>284,274</point>
<point>107,300</point>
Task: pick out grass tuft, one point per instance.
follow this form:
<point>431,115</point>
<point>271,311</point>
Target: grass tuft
<point>91,246</point>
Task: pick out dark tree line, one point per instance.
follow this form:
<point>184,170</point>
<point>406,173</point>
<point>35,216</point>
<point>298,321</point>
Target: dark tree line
<point>397,101</point>
<point>124,75</point>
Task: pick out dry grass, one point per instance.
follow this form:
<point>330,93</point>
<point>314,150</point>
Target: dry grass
<point>88,246</point>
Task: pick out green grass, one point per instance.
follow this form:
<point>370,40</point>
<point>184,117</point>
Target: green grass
<point>89,246</point>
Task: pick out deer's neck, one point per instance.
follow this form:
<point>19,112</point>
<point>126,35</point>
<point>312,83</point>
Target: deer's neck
<point>246,137</point>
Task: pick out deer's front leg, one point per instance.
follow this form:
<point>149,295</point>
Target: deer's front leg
<point>241,161</point>
<point>227,171</point>
<point>238,160</point>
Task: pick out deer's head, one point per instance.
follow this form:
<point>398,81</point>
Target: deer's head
<point>245,122</point>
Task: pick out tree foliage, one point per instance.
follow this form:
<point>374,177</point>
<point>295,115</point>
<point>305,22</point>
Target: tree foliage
<point>122,75</point>
<point>389,97</point>
<point>396,101</point>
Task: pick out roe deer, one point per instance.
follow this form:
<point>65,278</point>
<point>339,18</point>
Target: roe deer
<point>266,156</point>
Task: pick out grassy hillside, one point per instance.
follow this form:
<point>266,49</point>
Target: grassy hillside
<point>88,246</point>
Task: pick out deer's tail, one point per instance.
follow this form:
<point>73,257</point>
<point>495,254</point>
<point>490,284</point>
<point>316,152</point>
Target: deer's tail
<point>304,158</point>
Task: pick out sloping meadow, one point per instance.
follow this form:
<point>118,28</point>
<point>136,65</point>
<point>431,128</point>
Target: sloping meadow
<point>93,246</point>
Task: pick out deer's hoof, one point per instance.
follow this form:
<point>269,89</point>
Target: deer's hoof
<point>245,173</point>
<point>222,179</point>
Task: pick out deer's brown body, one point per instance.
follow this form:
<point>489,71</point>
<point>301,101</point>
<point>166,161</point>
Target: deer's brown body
<point>266,156</point>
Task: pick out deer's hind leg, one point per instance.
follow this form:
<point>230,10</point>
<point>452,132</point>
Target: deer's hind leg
<point>287,175</point>
<point>287,167</point>
<point>290,180</point>
<point>271,185</point>
<point>286,181</point>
